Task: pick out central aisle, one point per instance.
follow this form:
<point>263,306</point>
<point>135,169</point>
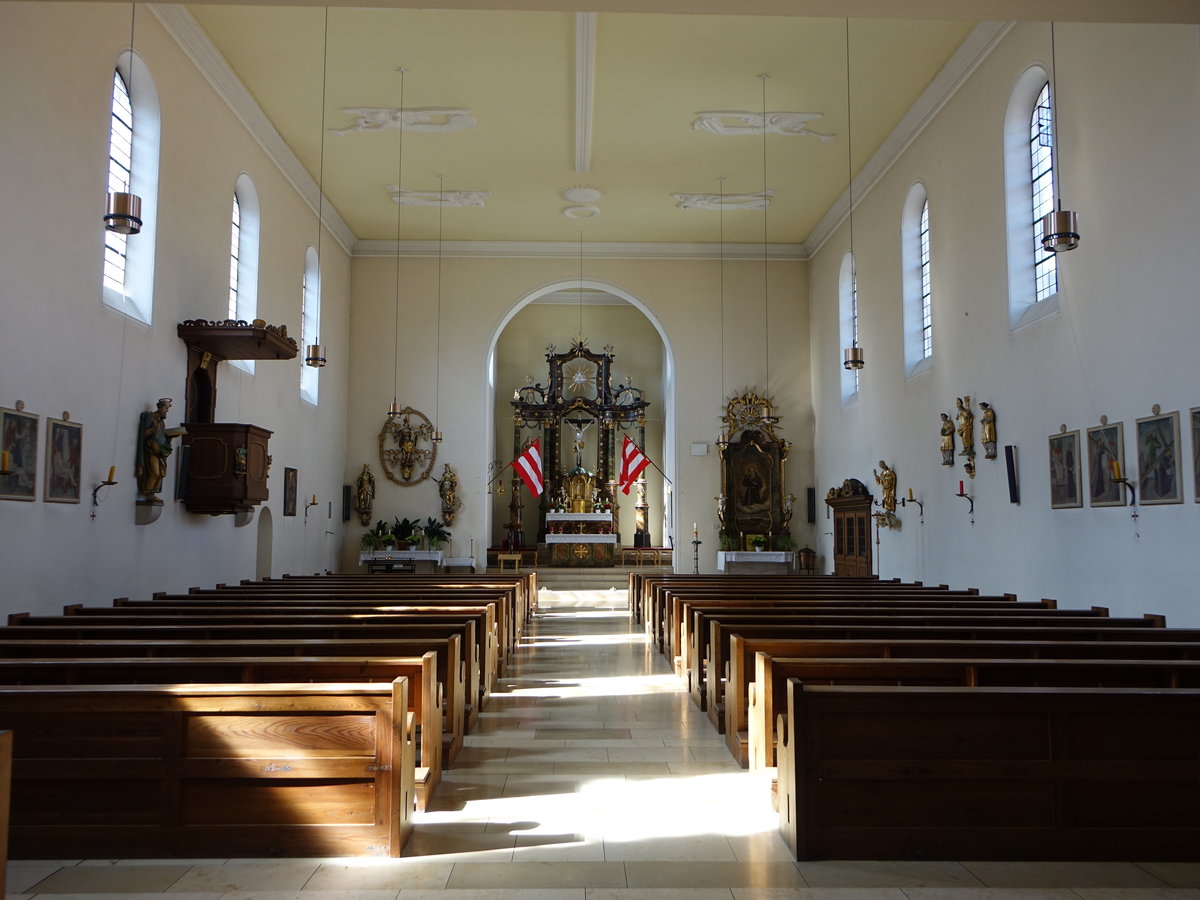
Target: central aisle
<point>592,765</point>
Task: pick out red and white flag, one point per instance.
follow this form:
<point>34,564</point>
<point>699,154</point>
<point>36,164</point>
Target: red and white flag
<point>529,467</point>
<point>633,460</point>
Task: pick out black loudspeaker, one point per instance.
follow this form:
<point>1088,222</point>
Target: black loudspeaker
<point>346,503</point>
<point>810,495</point>
<point>1010,463</point>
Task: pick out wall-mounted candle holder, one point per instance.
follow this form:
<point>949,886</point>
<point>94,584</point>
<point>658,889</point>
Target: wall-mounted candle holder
<point>904,501</point>
<point>108,482</point>
<point>969,499</point>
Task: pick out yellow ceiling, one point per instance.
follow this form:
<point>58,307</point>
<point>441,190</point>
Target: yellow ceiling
<point>516,72</point>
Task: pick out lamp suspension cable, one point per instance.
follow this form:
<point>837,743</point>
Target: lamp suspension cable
<point>123,209</point>
<point>723,439</point>
<point>854,355</point>
<point>314,353</point>
<point>1060,228</point>
<point>394,409</point>
<point>765,202</point>
<point>437,376</point>
<point>581,286</point>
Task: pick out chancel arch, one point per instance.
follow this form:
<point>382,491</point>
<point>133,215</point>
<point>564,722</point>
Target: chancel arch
<point>612,323</point>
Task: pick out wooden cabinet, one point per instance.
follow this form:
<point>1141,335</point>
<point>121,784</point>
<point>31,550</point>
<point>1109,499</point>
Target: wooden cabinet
<point>851,505</point>
<point>226,467</point>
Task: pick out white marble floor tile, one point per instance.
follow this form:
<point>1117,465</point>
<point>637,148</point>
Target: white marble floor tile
<point>712,874</point>
<point>886,873</point>
<point>133,879</point>
<point>1175,874</point>
<point>1062,874</point>
<point>537,875</point>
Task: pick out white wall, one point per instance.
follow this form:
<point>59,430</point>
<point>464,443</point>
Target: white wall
<point>478,296</point>
<point>1129,126</point>
<point>60,349</point>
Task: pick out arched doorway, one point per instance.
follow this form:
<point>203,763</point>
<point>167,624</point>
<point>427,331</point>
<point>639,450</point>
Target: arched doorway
<point>609,319</point>
<point>262,560</point>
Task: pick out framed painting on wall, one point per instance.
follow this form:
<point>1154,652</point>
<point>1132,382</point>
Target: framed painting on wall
<point>289,492</point>
<point>1159,478</point>
<point>64,458</point>
<point>1066,489</point>
<point>18,438</point>
<point>1105,446</point>
<point>1196,454</point>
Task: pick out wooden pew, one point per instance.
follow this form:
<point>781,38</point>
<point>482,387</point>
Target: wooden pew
<point>425,690</point>
<point>990,773</point>
<point>228,622</point>
<point>754,695</point>
<point>525,583</point>
<point>715,652</point>
<point>982,669</point>
<point>156,771</point>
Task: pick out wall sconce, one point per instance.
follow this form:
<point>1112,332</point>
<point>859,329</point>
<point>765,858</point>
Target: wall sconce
<point>314,355</point>
<point>854,358</point>
<point>108,482</point>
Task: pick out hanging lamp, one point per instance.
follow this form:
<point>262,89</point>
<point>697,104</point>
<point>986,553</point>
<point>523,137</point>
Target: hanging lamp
<point>123,209</point>
<point>723,438</point>
<point>853,358</point>
<point>437,390</point>
<point>1060,227</point>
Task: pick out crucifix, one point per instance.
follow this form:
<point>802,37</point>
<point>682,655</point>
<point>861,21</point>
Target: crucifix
<point>581,426</point>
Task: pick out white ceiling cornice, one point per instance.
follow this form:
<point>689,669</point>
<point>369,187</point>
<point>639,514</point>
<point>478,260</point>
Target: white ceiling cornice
<point>187,32</point>
<point>953,75</point>
<point>585,80</point>
<point>571,250</point>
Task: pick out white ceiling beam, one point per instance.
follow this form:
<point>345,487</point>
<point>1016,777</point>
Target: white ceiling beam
<point>585,81</point>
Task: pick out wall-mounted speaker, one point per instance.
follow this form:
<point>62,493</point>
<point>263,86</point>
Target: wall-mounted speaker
<point>1010,464</point>
<point>810,495</point>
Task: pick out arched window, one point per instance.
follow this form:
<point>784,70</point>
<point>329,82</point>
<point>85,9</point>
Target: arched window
<point>127,276</point>
<point>1033,276</point>
<point>848,309</point>
<point>310,322</point>
<point>243,259</point>
<point>916,283</point>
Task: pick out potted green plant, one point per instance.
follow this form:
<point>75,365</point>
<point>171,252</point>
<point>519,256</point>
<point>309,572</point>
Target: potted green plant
<point>371,542</point>
<point>435,533</point>
<point>409,531</point>
<point>758,542</point>
<point>728,542</point>
<point>383,533</point>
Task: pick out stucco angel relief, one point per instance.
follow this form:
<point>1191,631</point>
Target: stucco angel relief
<point>377,118</point>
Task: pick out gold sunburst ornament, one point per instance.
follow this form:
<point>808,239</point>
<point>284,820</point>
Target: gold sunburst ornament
<point>750,412</point>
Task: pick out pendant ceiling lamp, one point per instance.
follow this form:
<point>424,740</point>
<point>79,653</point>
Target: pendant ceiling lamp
<point>314,354</point>
<point>766,303</point>
<point>437,390</point>
<point>123,208</point>
<point>853,357</point>
<point>1060,227</point>
<point>394,409</point>
<point>723,436</point>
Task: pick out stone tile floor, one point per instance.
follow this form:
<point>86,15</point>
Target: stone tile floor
<point>592,777</point>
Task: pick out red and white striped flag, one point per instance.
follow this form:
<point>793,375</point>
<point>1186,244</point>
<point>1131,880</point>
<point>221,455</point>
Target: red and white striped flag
<point>633,460</point>
<point>529,467</point>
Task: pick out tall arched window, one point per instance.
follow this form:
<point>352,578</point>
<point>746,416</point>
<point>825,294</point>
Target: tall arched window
<point>916,282</point>
<point>848,309</point>
<point>243,259</point>
<point>1033,276</point>
<point>127,276</point>
<point>310,321</point>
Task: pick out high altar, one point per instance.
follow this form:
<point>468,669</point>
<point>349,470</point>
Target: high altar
<point>578,509</point>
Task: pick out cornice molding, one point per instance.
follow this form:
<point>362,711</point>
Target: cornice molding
<point>571,250</point>
<point>186,32</point>
<point>585,78</point>
<point>973,51</point>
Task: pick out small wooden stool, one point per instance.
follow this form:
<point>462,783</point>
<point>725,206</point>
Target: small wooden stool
<point>514,558</point>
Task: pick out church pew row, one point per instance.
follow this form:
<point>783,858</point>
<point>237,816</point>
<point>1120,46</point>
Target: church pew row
<point>755,694</point>
<point>153,623</point>
<point>425,689</point>
<point>690,612</point>
<point>664,620</point>
<point>641,585</point>
<point>502,603</point>
<point>227,770</point>
<point>975,670</point>
<point>511,595</point>
<point>661,594</point>
<point>286,649</point>
<point>525,584</point>
<point>888,772</point>
<point>708,659</point>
